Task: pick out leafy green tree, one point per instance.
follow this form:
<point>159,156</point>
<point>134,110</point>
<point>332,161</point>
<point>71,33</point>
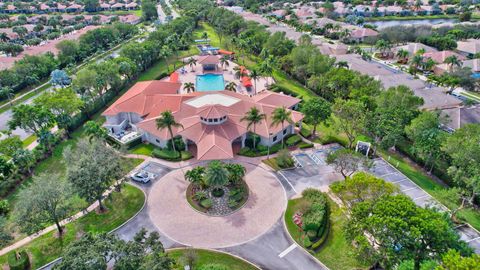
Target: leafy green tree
<point>7,92</point>
<point>464,150</point>
<point>84,83</point>
<point>216,175</point>
<point>399,230</point>
<point>24,160</point>
<point>396,107</point>
<point>348,118</point>
<point>43,202</point>
<point>453,260</point>
<point>149,10</point>
<point>280,116</point>
<point>5,236</point>
<point>10,145</point>
<point>6,168</point>
<point>362,187</point>
<point>167,121</point>
<point>92,168</point>
<point>424,131</point>
<point>91,5</point>
<point>94,130</point>
<point>31,118</point>
<point>347,162</point>
<point>317,110</point>
<point>63,103</point>
<point>60,78</point>
<point>253,117</point>
<point>452,61</point>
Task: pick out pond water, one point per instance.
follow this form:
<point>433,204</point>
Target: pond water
<point>384,24</point>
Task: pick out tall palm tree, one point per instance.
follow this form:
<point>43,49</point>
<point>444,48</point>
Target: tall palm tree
<point>224,61</point>
<point>216,175</point>
<point>402,55</point>
<point>253,117</point>
<point>192,62</point>
<point>266,67</point>
<point>231,86</point>
<point>238,72</point>
<point>189,87</point>
<point>4,37</point>
<point>451,61</point>
<point>417,61</point>
<point>254,75</point>
<point>195,176</point>
<point>167,120</point>
<point>236,172</point>
<point>429,64</point>
<point>205,36</point>
<point>279,117</point>
<point>383,46</point>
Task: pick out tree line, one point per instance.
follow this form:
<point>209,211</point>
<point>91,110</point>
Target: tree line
<point>32,69</point>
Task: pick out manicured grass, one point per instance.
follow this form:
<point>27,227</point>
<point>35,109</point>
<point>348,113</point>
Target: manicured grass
<point>208,257</point>
<point>29,140</point>
<point>272,162</point>
<point>121,206</point>
<point>336,252</point>
<point>212,34</point>
<point>142,149</point>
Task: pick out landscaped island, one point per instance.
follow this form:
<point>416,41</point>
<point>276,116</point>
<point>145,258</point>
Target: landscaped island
<point>218,189</point>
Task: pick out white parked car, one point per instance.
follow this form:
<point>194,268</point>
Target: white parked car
<point>142,176</point>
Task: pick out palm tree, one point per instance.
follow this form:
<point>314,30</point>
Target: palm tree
<point>420,51</point>
<point>236,172</point>
<point>266,67</point>
<point>238,72</point>
<point>402,55</point>
<point>94,130</point>
<point>195,176</point>
<point>280,116</point>
<point>416,61</point>
<point>216,175</point>
<point>167,120</point>
<point>189,87</point>
<point>342,64</point>
<point>192,62</point>
<point>429,64</point>
<point>253,117</point>
<point>254,75</point>
<point>231,86</point>
<point>224,61</point>
<point>451,61</point>
<point>383,46</point>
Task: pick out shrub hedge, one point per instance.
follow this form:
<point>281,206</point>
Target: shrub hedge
<point>315,218</point>
<point>170,155</point>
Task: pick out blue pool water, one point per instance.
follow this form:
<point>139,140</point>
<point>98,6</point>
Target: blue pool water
<point>476,75</point>
<point>210,82</point>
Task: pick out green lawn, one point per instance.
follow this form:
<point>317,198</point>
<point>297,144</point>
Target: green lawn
<point>336,252</point>
<point>142,149</point>
<point>121,207</point>
<point>207,257</point>
<point>29,140</point>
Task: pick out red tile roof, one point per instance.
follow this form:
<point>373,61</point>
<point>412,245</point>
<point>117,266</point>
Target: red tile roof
<point>214,141</point>
<point>208,60</point>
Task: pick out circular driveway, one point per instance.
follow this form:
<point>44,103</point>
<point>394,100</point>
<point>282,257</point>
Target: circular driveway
<point>172,215</point>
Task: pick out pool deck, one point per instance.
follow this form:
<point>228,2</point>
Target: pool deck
<point>228,75</point>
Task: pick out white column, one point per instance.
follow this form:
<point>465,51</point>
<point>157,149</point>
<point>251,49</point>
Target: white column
<point>244,137</point>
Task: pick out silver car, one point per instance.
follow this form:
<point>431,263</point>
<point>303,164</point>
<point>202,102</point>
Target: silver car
<point>142,176</point>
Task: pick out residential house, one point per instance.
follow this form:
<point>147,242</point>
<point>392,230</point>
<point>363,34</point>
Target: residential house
<point>360,34</point>
<point>414,47</point>
<point>469,48</point>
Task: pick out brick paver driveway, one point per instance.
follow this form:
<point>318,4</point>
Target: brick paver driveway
<point>174,217</point>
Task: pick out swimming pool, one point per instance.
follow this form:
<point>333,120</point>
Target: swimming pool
<point>210,82</point>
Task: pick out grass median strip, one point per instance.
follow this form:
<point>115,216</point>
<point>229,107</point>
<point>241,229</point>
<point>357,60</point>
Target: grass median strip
<point>211,257</point>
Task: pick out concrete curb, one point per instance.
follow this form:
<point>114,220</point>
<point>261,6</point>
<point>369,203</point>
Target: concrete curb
<point>217,251</point>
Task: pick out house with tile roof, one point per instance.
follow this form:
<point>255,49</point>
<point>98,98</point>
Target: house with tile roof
<point>211,120</point>
<point>469,47</point>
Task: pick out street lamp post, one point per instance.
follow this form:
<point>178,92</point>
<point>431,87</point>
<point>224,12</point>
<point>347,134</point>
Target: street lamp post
<point>268,152</point>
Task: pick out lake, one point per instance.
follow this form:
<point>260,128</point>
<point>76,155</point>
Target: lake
<point>384,24</point>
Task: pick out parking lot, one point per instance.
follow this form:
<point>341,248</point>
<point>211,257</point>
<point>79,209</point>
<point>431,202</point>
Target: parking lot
<point>312,171</point>
<point>156,169</point>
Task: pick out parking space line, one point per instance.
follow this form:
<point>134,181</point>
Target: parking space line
<point>286,251</point>
<point>473,239</point>
<point>428,195</point>
<point>398,181</point>
<point>286,179</point>
<point>408,189</point>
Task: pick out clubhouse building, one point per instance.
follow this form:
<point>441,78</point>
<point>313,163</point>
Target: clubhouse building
<point>212,128</point>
